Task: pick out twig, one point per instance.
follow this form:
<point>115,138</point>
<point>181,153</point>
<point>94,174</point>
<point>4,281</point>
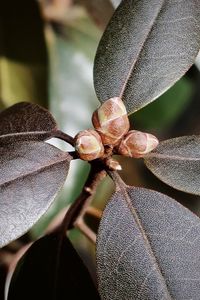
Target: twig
<point>93,211</point>
<point>120,184</point>
<point>63,136</point>
<point>79,207</point>
<point>80,224</point>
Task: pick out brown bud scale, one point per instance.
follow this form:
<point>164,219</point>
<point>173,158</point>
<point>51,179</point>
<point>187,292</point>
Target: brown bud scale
<point>111,121</point>
<point>88,145</point>
<point>136,144</point>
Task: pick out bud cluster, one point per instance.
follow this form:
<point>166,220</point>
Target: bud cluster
<point>111,125</point>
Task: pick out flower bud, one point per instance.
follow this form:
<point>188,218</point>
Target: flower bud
<point>137,144</point>
<point>112,164</point>
<point>88,144</point>
<point>111,121</point>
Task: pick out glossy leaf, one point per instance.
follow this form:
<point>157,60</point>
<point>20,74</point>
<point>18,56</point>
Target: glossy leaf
<point>148,248</point>
<point>26,121</point>
<point>32,173</point>
<point>23,53</point>
<point>177,163</point>
<point>51,269</point>
<point>146,48</point>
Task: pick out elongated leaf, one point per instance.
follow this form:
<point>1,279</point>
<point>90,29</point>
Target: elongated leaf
<point>26,121</point>
<point>148,248</point>
<point>23,53</point>
<point>32,173</point>
<point>146,48</point>
<point>177,163</point>
<point>51,269</point>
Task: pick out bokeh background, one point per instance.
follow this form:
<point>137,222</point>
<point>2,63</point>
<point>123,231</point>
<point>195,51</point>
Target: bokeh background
<point>47,50</point>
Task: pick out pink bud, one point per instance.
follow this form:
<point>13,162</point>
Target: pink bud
<point>136,144</point>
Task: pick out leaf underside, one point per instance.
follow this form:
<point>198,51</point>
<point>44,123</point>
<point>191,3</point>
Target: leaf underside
<point>177,163</point>
<point>148,248</point>
<point>147,47</point>
<point>51,269</point>
<point>26,121</point>
<point>32,173</point>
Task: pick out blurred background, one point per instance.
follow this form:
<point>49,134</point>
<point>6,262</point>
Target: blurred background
<point>47,50</point>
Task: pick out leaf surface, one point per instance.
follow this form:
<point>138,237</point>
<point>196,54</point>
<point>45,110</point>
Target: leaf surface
<point>177,163</point>
<point>32,173</point>
<point>26,121</point>
<point>51,269</point>
<point>148,248</point>
<point>146,48</point>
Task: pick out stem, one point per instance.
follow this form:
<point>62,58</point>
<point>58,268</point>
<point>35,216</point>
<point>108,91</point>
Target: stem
<point>120,184</point>
<point>63,136</point>
<point>73,154</point>
<point>94,212</point>
<point>80,224</point>
<point>79,207</point>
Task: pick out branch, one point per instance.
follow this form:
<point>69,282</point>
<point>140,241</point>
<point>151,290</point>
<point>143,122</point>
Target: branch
<point>79,207</point>
<point>94,212</point>
<point>118,181</point>
<point>63,136</point>
<point>80,224</point>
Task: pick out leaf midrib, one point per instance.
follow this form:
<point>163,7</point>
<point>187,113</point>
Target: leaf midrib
<point>26,133</point>
<point>135,61</point>
<point>38,170</point>
<point>170,157</point>
<point>143,233</point>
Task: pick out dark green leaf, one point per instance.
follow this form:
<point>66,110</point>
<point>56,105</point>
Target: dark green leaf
<point>148,248</point>
<point>23,53</point>
<point>26,121</point>
<point>146,48</point>
<point>32,173</point>
<point>51,269</point>
<point>177,163</point>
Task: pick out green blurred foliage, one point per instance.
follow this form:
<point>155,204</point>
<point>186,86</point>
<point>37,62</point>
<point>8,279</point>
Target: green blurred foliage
<point>163,112</point>
<point>23,55</point>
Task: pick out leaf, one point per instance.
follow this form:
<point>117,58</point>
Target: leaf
<point>177,162</point>
<point>26,121</point>
<point>51,269</point>
<point>146,48</point>
<point>32,173</point>
<point>148,248</point>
